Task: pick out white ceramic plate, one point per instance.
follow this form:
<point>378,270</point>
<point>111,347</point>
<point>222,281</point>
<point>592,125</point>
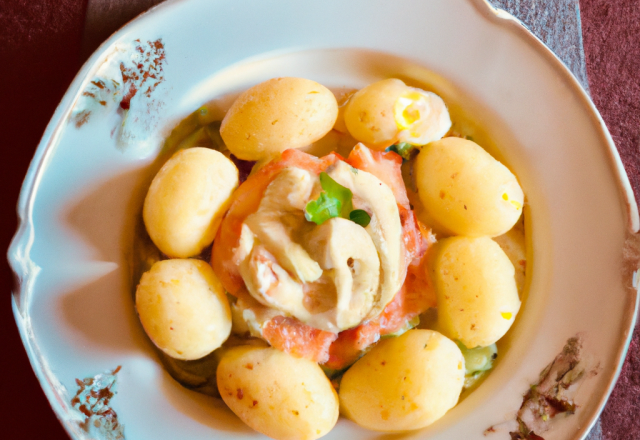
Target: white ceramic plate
<point>73,305</point>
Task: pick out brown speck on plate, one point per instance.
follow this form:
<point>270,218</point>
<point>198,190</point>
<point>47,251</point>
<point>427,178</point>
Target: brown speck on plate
<point>552,395</point>
<point>92,400</point>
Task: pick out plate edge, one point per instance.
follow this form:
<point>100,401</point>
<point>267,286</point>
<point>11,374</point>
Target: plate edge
<point>47,143</point>
<point>504,18</point>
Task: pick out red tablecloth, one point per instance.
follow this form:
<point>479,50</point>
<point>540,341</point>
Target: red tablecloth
<point>611,35</point>
<point>40,52</point>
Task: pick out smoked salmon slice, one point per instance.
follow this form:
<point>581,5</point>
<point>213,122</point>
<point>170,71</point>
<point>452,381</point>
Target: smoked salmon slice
<point>289,334</point>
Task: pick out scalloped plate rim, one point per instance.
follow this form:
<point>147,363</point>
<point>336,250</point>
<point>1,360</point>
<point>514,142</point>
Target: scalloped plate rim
<point>18,251</point>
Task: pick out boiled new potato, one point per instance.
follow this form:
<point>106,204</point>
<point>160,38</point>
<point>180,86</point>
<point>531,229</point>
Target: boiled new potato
<point>369,113</point>
<point>277,394</point>
<point>187,200</point>
<point>388,111</point>
<point>476,290</point>
<point>404,383</point>
<point>183,308</point>
<point>465,190</point>
<point>278,114</point>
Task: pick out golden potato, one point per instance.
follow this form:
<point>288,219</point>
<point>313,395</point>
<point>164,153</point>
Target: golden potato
<point>476,290</point>
<point>465,190</point>
<point>404,383</point>
<point>389,111</point>
<point>183,308</point>
<point>278,114</point>
<point>187,200</point>
<point>277,394</point>
<point>369,114</point>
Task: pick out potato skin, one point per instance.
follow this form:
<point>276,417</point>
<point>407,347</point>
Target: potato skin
<point>183,308</point>
<point>465,190</point>
<point>278,114</point>
<point>277,394</point>
<point>404,383</point>
<point>369,114</point>
<point>187,200</point>
<point>476,290</point>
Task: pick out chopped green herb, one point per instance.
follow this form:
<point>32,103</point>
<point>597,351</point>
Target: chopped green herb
<point>404,149</point>
<point>321,210</point>
<point>360,217</point>
<point>337,191</point>
<point>334,201</point>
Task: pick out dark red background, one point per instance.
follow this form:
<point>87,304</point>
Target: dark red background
<point>40,52</point>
